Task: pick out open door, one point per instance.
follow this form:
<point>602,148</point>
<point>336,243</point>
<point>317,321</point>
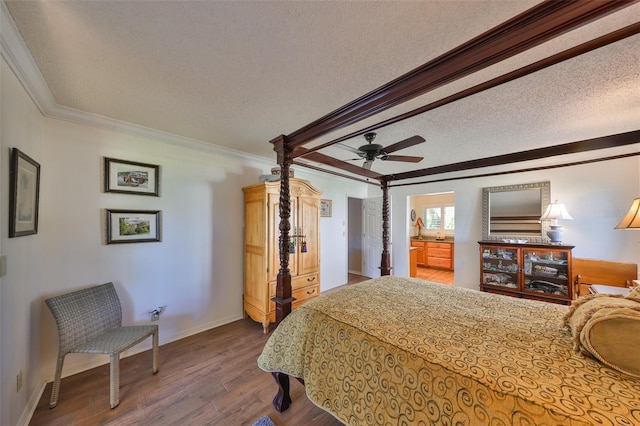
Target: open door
<point>372,236</point>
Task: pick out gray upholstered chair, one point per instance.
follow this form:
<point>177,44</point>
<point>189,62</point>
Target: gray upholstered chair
<point>90,321</point>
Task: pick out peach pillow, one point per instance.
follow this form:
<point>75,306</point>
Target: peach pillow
<point>608,329</point>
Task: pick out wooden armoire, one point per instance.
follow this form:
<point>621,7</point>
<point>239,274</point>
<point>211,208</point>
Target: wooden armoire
<point>261,246</point>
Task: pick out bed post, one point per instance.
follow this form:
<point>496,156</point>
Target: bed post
<point>385,263</point>
<point>283,297</point>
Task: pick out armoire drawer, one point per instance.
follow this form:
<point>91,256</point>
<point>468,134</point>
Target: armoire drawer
<point>304,281</point>
<point>301,295</point>
<point>296,283</point>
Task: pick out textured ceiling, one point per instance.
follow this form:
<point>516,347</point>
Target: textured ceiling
<point>238,73</point>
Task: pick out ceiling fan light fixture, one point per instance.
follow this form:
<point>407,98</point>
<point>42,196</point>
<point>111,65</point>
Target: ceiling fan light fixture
<point>371,147</point>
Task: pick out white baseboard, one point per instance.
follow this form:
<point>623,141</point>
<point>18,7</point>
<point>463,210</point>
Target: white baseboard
<point>32,404</point>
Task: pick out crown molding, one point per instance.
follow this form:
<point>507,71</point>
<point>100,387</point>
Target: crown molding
<point>15,52</point>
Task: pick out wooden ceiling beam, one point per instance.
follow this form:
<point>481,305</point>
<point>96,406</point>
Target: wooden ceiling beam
<point>611,141</point>
<point>570,53</point>
<point>533,27</point>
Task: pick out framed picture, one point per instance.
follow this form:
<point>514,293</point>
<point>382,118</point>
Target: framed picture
<point>325,208</point>
<point>128,177</point>
<point>24,193</point>
<point>133,226</point>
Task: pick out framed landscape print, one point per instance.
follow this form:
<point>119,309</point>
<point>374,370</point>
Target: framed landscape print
<point>24,193</point>
<point>133,226</point>
<point>129,177</point>
<point>325,208</point>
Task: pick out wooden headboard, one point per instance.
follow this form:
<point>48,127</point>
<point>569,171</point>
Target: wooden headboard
<point>593,271</point>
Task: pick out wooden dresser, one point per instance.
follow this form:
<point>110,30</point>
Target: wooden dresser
<point>528,271</point>
<point>261,246</point>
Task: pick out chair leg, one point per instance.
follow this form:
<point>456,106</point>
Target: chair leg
<point>55,389</point>
<point>115,380</point>
<point>155,352</point>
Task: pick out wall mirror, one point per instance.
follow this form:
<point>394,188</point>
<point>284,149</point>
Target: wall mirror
<point>512,212</point>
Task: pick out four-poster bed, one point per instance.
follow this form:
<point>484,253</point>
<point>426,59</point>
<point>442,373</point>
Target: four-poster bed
<point>541,23</point>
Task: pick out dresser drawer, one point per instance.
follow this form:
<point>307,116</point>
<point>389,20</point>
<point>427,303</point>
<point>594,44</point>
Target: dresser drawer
<point>439,252</point>
<point>439,262</point>
<point>446,246</point>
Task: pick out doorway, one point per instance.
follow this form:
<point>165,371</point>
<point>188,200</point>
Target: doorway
<point>354,239</point>
<point>364,245</point>
<point>432,233</point>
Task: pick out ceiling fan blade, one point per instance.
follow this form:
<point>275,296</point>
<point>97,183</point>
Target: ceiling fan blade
<point>413,140</point>
<point>367,164</point>
<point>334,162</point>
<point>348,148</point>
<point>405,158</point>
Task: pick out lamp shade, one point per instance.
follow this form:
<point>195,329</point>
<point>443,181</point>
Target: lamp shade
<point>556,211</point>
<point>420,223</point>
<point>632,219</point>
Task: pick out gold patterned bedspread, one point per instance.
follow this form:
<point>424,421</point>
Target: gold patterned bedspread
<point>401,351</point>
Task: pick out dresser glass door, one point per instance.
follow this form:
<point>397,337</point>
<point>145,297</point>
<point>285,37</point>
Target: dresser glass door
<point>545,271</point>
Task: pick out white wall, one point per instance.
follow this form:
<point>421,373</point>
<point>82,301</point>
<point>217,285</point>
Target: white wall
<point>21,287</point>
<point>196,271</point>
<point>597,195</point>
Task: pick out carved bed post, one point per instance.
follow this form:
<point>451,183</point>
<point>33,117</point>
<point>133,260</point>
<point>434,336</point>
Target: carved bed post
<point>385,263</point>
<point>282,400</point>
<point>283,297</point>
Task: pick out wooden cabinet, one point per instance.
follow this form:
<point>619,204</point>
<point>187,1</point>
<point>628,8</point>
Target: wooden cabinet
<point>434,254</point>
<point>530,271</point>
<point>261,246</point>
<point>420,251</point>
<point>440,255</point>
<point>413,261</point>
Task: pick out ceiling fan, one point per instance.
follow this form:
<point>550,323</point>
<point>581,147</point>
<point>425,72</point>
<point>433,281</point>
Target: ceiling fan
<point>372,151</point>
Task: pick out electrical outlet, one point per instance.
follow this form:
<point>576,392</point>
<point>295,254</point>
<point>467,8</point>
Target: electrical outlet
<point>19,381</point>
<point>155,313</point>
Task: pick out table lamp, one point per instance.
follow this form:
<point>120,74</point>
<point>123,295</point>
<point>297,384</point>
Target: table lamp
<point>632,219</point>
<point>420,225</point>
<point>554,212</point>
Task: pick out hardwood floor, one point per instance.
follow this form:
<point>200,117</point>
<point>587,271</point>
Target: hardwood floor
<point>211,378</point>
<point>435,275</point>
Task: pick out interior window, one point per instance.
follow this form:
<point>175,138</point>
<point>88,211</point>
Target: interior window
<point>449,217</point>
<point>440,218</point>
